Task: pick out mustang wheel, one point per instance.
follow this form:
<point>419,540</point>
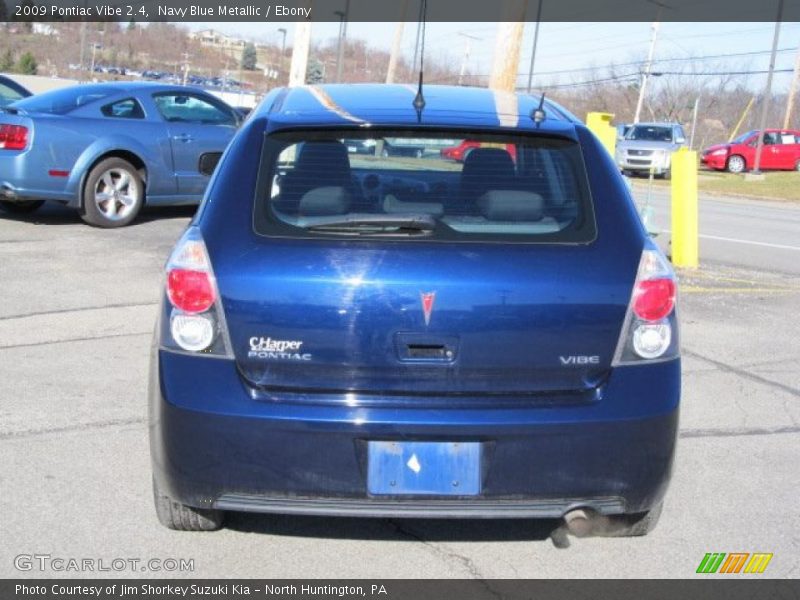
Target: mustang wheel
<point>21,208</point>
<point>113,195</point>
<point>736,164</point>
<point>175,515</point>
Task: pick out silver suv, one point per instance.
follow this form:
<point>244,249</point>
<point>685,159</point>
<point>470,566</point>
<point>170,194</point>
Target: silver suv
<point>649,146</point>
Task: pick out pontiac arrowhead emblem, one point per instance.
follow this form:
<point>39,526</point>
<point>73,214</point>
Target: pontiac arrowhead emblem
<point>427,305</point>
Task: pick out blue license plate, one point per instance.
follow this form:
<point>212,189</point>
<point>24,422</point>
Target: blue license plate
<point>426,468</point>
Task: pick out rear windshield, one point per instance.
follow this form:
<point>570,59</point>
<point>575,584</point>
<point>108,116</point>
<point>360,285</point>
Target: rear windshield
<point>60,102</point>
<point>424,185</point>
<point>650,133</point>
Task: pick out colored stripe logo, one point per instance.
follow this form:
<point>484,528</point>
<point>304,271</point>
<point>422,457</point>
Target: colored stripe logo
<point>734,562</point>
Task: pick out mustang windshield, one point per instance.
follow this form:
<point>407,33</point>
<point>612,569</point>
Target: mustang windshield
<point>525,188</point>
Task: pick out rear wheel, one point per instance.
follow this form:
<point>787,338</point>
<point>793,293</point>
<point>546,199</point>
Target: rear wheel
<point>174,515</point>
<point>735,164</point>
<point>113,195</point>
<point>21,208</point>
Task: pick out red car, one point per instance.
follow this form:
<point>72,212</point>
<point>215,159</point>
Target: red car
<point>781,152</point>
<point>459,153</point>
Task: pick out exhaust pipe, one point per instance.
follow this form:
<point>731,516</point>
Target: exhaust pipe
<point>580,522</point>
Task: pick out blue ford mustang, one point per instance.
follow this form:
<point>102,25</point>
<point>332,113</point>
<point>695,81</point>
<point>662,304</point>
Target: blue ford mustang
<point>359,334</point>
<point>108,149</point>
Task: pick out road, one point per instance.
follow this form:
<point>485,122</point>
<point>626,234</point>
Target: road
<point>76,318</point>
<point>737,231</point>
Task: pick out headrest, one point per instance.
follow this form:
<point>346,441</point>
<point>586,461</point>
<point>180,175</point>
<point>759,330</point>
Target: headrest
<point>322,201</point>
<point>327,156</point>
<point>393,206</point>
<point>489,162</point>
<point>511,205</point>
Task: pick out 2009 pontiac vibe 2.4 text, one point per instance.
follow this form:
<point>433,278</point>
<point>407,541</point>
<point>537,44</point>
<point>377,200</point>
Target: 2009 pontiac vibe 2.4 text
<point>396,334</point>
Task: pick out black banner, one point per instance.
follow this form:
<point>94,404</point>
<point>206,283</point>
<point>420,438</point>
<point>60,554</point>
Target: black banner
<point>397,10</point>
<point>733,588</point>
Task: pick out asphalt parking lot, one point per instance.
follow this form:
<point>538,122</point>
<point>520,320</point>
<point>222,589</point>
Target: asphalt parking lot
<point>76,317</point>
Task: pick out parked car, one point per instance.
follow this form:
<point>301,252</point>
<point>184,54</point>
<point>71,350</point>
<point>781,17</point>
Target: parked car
<point>781,151</point>
<point>649,146</point>
<point>108,149</point>
<point>414,340</point>
<point>11,91</point>
<point>460,152</point>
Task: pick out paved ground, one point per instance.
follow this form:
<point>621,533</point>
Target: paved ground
<point>76,316</point>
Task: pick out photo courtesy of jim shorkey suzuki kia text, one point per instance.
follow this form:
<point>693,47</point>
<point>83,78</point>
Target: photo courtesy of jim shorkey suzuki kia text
<point>217,590</point>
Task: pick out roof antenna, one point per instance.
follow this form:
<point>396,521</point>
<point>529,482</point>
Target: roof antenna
<point>538,115</point>
<point>419,99</point>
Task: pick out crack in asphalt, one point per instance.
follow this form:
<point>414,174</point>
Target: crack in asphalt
<point>742,431</point>
<point>12,435</point>
<point>470,566</point>
<point>745,373</point>
<point>75,310</point>
<point>81,339</point>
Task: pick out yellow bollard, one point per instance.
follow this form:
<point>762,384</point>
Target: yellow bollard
<point>600,125</point>
<point>684,209</point>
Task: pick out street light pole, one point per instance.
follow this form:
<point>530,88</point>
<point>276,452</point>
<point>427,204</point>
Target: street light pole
<point>464,60</point>
<point>768,90</point>
<point>646,72</point>
<point>281,30</point>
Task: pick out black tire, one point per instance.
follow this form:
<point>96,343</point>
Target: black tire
<point>633,525</point>
<point>177,516</point>
<point>24,207</point>
<point>735,164</point>
<point>667,175</point>
<point>126,196</point>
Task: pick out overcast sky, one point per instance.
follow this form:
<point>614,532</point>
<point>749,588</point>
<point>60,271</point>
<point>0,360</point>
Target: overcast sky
<point>568,46</point>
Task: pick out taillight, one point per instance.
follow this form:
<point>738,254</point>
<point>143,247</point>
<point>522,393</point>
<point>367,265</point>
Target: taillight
<point>654,299</point>
<point>650,328</point>
<point>194,320</point>
<point>13,137</point>
<point>190,291</point>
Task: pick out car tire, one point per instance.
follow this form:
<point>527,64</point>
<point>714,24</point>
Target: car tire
<point>633,525</point>
<point>177,516</point>
<point>21,208</point>
<point>113,194</point>
<point>667,175</point>
<point>735,164</point>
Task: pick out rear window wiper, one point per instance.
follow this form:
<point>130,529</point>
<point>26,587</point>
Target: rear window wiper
<point>373,224</point>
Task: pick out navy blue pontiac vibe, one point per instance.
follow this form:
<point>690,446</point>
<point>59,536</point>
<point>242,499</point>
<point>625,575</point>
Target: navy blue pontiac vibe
<point>356,324</point>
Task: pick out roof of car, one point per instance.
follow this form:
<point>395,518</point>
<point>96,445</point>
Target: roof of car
<point>366,105</point>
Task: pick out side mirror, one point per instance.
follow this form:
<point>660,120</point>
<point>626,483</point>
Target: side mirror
<point>208,162</point>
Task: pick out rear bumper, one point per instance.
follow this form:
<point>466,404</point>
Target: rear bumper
<point>214,445</point>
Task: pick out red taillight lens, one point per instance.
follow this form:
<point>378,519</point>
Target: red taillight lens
<point>13,137</point>
<point>190,291</point>
<point>654,299</point>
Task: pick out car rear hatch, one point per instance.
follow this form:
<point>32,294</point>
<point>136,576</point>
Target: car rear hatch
<point>497,300</point>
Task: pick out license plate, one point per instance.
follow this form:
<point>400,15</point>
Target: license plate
<point>424,468</point>
<point>352,149</point>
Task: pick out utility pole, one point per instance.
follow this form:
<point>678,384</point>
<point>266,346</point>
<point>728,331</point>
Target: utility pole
<point>508,45</point>
<point>535,42</point>
<point>391,71</point>
<point>185,67</point>
<point>768,90</point>
<point>282,31</point>
<point>792,91</point>
<point>464,60</point>
<point>646,73</point>
<point>302,44</point>
<point>343,16</point>
<point>694,122</point>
